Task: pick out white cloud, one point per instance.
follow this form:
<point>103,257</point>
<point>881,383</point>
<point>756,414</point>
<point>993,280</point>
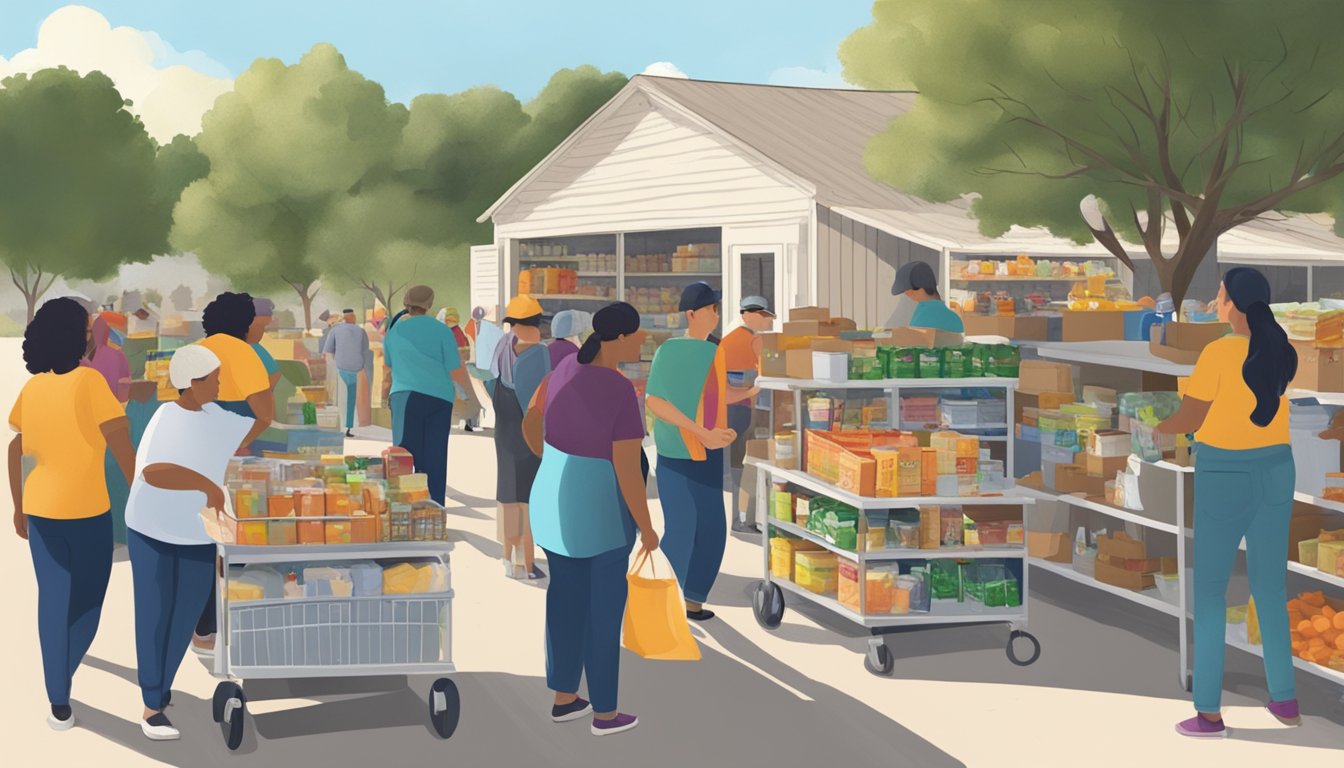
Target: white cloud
<point>169,90</point>
<point>806,77</point>
<point>664,69</point>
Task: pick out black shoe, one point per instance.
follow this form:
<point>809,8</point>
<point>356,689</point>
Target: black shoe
<point>348,433</point>
<point>700,615</point>
<point>62,718</point>
<point>744,528</point>
<point>466,427</point>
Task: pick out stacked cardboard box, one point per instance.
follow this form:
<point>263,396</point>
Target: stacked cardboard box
<point>1124,562</point>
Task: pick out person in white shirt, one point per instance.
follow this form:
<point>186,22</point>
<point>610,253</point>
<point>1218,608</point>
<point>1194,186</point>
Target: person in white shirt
<point>181,463</point>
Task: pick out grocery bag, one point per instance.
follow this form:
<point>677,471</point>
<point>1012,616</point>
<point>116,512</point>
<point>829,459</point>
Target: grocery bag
<point>655,616</point>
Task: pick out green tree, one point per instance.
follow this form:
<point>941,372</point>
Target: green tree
<point>78,188</point>
<point>284,147</point>
<point>1200,115</point>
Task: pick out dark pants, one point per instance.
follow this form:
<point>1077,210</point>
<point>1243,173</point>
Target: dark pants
<point>740,419</point>
<point>73,562</point>
<point>694,524</point>
<point>585,604</point>
<point>170,582</point>
<point>425,425</point>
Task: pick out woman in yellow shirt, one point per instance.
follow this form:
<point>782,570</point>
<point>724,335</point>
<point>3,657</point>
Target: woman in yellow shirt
<point>1244,477</point>
<point>66,418</point>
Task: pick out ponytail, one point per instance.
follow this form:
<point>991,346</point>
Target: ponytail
<point>1270,364</point>
<point>591,346</point>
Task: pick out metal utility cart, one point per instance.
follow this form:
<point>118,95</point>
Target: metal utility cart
<point>334,636</point>
<point>768,598</point>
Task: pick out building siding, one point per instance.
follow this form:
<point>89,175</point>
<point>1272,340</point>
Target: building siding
<point>856,266</point>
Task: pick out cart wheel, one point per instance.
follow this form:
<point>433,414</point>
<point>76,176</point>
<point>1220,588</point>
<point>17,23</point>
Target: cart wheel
<point>879,660</point>
<point>230,713</point>
<point>445,707</point>
<point>767,602</point>
<point>1035,648</point>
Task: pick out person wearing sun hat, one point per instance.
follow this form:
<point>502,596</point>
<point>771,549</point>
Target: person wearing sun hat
<point>519,364</point>
<point>427,374</point>
<point>180,468</point>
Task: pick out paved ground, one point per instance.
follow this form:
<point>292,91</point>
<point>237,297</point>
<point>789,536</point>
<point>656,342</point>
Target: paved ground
<point>1105,691</point>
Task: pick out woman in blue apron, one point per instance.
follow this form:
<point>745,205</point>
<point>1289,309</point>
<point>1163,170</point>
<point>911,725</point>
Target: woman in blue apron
<point>587,499</point>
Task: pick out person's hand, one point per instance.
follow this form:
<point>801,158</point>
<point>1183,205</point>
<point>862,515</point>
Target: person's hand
<point>648,540</point>
<point>214,498</point>
<point>714,439</point>
<point>21,526</point>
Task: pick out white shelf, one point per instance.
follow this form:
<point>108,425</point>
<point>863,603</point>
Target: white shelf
<point>1311,572</point>
<point>611,275</point>
<point>1134,355</point>
<point>1236,637</point>
<point>549,259</point>
<point>788,385</point>
<point>942,611</point>
<point>882,555</point>
<point>571,297</point>
<point>1316,501</point>
<point>885,502</point>
<point>1068,572</point>
<point>1015,279</point>
<point>1105,509</point>
<point>674,274</point>
<point>1324,398</point>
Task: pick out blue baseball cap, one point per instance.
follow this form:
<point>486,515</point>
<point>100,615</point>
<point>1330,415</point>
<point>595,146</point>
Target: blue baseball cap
<point>698,295</point>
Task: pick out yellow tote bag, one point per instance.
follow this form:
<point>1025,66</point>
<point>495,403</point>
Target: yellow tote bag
<point>655,616</point>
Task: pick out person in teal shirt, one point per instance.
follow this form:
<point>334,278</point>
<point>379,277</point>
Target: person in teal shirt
<point>265,313</point>
<point>918,282</point>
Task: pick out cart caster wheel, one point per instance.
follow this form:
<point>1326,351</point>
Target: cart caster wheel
<point>230,710</point>
<point>879,660</point>
<point>767,602</point>
<point>445,707</point>
<point>1035,648</point>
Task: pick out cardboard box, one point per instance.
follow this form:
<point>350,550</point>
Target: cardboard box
<point>1048,545</point>
<point>831,328</point>
<point>1017,327</point>
<point>760,449</point>
<point>1031,328</point>
<point>1040,401</point>
<point>1093,326</point>
<point>1109,573</point>
<point>798,363</point>
<point>1193,337</point>
<point>832,345</point>
<point>1109,443</point>
<point>1074,479</point>
<point>1319,370</point>
<point>1094,394</point>
<point>1105,467</point>
<point>773,363</point>
<point>810,313</point>
<point>1045,376</point>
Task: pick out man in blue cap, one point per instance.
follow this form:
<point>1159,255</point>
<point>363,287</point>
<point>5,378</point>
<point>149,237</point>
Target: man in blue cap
<point>918,282</point>
<point>687,392</point>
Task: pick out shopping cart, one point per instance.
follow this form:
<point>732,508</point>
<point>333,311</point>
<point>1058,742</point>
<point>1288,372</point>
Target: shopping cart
<point>333,636</point>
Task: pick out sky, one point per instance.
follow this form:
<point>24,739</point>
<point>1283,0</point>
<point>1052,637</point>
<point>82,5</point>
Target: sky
<point>449,45</point>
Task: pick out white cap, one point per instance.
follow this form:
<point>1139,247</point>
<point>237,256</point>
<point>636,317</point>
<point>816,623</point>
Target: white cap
<point>190,363</point>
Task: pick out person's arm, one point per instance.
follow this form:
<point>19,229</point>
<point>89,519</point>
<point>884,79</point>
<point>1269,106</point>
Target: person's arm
<point>666,411</point>
<point>263,408</point>
<point>736,395</point>
<point>1187,419</point>
<point>625,456</point>
<point>16,485</point>
<point>174,477</point>
<point>275,379</point>
<point>117,432</point>
<point>533,420</point>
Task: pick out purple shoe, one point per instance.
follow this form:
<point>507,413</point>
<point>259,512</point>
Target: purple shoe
<point>1201,727</point>
<point>1285,711</point>
<point>618,724</point>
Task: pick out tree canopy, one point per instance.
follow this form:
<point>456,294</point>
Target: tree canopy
<point>1195,114</point>
<point>80,194</point>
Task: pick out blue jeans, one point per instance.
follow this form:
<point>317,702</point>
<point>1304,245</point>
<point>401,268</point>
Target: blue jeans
<point>585,604</point>
<point>694,525</point>
<point>73,562</point>
<point>170,582</point>
<point>1242,493</point>
<point>351,379</point>
<point>422,424</point>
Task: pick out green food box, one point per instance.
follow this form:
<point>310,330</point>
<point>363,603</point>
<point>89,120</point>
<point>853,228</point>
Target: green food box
<point>930,363</point>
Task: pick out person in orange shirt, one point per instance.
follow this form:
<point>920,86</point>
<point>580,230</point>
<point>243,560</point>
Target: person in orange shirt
<point>66,418</point>
<point>742,358</point>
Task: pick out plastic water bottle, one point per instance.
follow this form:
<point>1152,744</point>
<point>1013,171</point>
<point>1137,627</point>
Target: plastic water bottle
<point>1080,541</point>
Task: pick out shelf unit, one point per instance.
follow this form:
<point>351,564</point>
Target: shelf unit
<point>1067,571</point>
<point>1236,637</point>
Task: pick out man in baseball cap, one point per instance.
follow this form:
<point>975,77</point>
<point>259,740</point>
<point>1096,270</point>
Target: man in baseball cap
<point>918,282</point>
<point>742,357</point>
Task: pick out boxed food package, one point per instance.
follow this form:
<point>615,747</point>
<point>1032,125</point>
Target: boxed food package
<point>782,552</point>
<point>878,587</point>
<point>1123,562</point>
<point>1318,369</point>
<point>810,313</point>
<point>1038,376</point>
<point>1182,342</point>
<point>1330,557</point>
<point>930,528</point>
<point>1108,443</point>
<point>816,571</point>
<point>1056,547</point>
<point>1023,402</point>
<point>1106,467</point>
<point>1100,325</point>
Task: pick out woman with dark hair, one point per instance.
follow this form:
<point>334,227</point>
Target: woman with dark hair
<point>587,499</point>
<point>520,362</point>
<point>66,418</point>
<point>1244,481</point>
<point>244,389</point>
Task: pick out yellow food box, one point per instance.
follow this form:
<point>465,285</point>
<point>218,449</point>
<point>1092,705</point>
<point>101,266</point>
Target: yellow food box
<point>782,552</point>
<point>241,591</point>
<point>816,571</point>
<point>253,532</point>
<point>1330,557</point>
<point>338,532</point>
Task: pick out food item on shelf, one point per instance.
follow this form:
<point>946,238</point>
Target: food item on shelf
<point>946,582</point>
<point>952,526</point>
<point>902,535</point>
<point>1330,557</point>
<point>1306,552</point>
<point>782,503</point>
<point>930,528</point>
<point>241,591</point>
<point>816,571</point>
<point>782,551</point>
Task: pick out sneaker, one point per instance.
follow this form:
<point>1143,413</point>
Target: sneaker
<point>203,645</point>
<point>618,724</point>
<point>1200,727</point>
<point>572,711</point>
<point>349,433</point>
<point>700,615</point>
<point>62,718</point>
<point>159,728</point>
<point>536,573</point>
<point>1285,712</point>
<point>509,569</point>
<point>739,527</point>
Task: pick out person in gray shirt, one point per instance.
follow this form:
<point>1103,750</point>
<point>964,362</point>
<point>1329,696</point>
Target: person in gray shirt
<point>348,344</point>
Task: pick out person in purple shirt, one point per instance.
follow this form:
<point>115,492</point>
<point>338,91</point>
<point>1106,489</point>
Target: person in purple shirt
<point>567,331</point>
<point>589,495</point>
